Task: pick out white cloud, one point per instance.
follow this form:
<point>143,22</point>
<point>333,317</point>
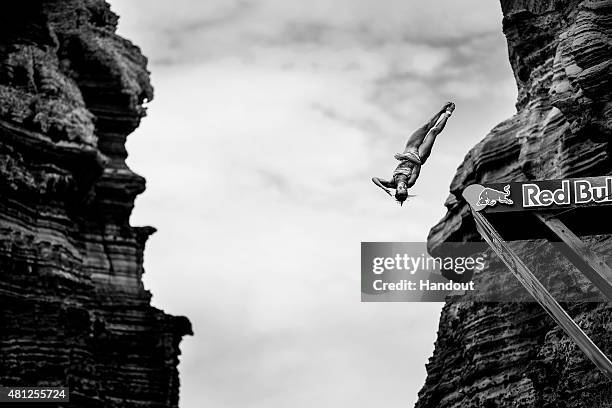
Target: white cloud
<point>192,30</point>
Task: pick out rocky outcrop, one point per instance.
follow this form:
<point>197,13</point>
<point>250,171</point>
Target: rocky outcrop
<point>513,355</point>
<point>73,308</point>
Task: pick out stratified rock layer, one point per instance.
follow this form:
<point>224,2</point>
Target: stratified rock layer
<point>73,309</point>
<point>513,355</point>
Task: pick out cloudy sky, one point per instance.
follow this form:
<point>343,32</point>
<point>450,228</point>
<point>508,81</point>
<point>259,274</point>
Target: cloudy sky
<point>269,119</point>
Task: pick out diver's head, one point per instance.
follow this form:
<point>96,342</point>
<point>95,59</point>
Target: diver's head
<point>401,192</point>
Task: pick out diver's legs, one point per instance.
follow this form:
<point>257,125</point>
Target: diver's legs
<point>427,145</point>
<point>416,139</point>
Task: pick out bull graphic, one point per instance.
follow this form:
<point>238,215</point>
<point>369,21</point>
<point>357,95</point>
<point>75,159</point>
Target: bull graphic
<point>490,196</point>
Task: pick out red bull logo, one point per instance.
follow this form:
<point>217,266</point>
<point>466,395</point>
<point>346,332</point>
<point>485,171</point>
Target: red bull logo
<point>584,193</point>
<point>546,194</point>
<point>534,196</point>
<point>491,197</point>
<point>480,197</point>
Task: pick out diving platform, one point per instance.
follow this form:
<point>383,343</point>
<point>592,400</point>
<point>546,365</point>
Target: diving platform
<point>558,210</point>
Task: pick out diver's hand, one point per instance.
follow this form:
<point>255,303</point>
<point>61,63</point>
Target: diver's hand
<point>377,181</point>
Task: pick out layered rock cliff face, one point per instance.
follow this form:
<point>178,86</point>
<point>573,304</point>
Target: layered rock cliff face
<point>73,309</point>
<point>513,355</point>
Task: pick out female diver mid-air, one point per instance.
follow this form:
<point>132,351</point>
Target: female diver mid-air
<point>418,149</point>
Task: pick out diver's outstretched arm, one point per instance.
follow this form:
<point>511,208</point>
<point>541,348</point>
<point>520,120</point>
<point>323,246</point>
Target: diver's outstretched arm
<point>384,184</point>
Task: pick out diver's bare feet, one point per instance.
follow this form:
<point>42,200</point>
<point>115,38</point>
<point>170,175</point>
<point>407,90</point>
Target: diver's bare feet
<point>450,107</point>
<point>447,107</point>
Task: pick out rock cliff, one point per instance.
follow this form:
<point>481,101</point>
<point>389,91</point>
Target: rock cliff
<point>73,308</point>
<point>513,355</point>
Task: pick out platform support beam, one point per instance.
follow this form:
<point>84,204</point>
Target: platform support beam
<point>587,261</point>
<point>539,292</point>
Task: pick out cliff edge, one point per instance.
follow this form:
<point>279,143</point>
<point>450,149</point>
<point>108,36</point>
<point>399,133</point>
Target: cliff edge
<point>513,355</point>
<point>73,308</point>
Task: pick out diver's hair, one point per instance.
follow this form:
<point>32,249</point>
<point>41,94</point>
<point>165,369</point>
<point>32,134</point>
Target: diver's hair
<point>400,198</point>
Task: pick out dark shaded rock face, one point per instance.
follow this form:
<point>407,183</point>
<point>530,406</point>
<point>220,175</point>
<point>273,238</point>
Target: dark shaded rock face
<point>73,309</point>
<point>513,355</point>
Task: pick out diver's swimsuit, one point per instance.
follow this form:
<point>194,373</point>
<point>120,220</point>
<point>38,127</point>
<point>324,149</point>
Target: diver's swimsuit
<point>408,160</point>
